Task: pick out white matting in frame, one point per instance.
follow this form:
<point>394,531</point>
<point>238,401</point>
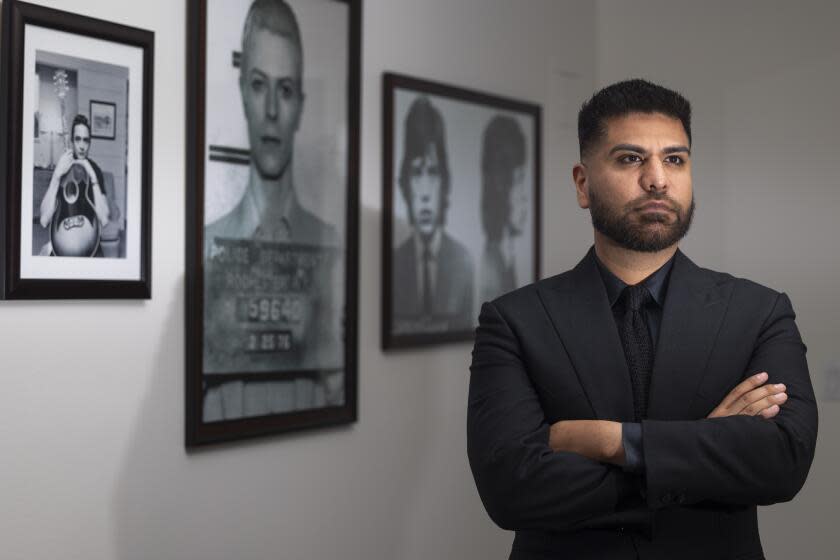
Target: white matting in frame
<point>81,268</point>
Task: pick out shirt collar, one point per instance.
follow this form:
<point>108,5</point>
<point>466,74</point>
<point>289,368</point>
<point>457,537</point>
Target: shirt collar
<point>259,215</point>
<point>656,283</point>
<point>434,243</point>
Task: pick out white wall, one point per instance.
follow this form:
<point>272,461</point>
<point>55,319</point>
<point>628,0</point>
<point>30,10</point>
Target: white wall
<point>763,79</point>
<point>91,407</point>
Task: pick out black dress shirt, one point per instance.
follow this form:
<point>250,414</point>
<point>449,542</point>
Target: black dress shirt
<point>657,285</point>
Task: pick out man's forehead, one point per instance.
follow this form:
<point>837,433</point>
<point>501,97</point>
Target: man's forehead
<point>644,128</point>
<point>429,155</point>
<point>272,52</point>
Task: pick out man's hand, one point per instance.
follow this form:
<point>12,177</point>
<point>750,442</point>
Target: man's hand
<point>89,168</point>
<point>751,398</point>
<point>599,440</point>
<point>64,163</point>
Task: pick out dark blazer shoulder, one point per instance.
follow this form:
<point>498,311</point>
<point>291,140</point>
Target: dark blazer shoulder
<point>523,302</point>
<point>743,289</point>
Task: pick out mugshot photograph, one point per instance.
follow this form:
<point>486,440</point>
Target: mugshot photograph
<point>461,201</point>
<point>273,263</point>
<point>433,272</point>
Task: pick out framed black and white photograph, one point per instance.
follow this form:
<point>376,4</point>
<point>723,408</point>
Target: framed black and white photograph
<point>461,207</point>
<point>76,206</point>
<point>103,120</point>
<point>272,236</point>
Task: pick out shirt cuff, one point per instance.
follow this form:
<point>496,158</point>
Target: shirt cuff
<point>631,440</point>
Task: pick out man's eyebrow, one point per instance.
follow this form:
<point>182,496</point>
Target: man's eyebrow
<point>640,150</point>
<point>627,148</point>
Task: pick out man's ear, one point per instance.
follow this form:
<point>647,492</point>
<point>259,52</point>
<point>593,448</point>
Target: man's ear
<point>580,175</point>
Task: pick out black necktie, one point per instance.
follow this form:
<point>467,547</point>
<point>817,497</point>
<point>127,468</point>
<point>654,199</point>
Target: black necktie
<point>427,280</point>
<point>638,347</point>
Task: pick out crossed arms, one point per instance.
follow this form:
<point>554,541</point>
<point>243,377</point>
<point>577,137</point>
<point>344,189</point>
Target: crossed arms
<point>533,475</point>
<point>601,440</point>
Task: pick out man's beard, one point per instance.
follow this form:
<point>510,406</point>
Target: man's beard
<point>617,225</point>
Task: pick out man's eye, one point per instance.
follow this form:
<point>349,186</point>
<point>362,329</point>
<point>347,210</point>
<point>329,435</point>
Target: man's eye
<point>257,85</point>
<point>630,158</point>
<point>676,160</point>
<point>287,90</point>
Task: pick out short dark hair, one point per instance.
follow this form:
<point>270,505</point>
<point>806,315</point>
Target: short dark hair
<point>424,127</point>
<point>623,98</point>
<point>79,119</point>
<point>502,152</point>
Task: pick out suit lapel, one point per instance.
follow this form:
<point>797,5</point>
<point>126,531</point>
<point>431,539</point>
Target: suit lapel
<point>692,316</point>
<point>580,312</point>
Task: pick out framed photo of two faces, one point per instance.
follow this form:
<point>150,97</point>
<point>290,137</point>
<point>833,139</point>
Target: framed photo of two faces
<point>461,215</point>
<point>76,156</point>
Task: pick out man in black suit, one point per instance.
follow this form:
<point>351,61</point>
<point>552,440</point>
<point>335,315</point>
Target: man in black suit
<point>638,406</point>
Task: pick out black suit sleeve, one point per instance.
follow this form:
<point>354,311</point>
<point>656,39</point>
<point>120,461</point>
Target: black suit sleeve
<point>741,459</point>
<point>631,441</point>
<point>522,482</point>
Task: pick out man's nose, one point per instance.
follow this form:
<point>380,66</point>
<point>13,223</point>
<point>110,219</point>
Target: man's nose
<point>653,176</point>
<point>427,185</point>
<point>271,103</point>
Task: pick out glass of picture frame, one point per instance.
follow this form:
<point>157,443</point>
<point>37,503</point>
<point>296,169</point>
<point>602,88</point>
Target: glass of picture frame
<point>273,99</point>
<point>461,216</point>
<point>76,205</point>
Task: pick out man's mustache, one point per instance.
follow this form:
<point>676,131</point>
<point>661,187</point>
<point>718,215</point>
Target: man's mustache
<point>663,198</point>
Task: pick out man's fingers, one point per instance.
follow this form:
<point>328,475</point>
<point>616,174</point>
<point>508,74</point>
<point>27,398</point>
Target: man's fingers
<point>766,403</point>
<point>757,395</point>
<point>750,398</point>
<point>744,387</point>
<point>770,412</point>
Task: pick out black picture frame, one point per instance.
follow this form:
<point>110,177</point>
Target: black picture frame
<point>111,121</point>
<point>200,153</point>
<point>406,321</point>
<point>64,281</point>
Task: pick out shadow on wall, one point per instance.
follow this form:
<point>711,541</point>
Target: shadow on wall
<point>313,494</point>
<point>236,500</point>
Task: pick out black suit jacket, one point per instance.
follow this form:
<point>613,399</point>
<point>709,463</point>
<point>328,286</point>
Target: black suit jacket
<point>453,299</point>
<point>550,351</point>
